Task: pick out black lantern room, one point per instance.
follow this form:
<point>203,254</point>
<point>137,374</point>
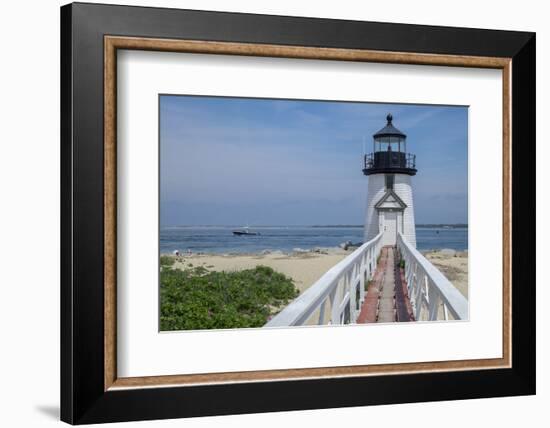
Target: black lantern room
<point>389,154</point>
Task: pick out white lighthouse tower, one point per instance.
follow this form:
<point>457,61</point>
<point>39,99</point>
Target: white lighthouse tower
<point>390,197</point>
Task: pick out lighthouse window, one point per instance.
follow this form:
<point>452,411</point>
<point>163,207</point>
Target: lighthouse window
<point>389,181</point>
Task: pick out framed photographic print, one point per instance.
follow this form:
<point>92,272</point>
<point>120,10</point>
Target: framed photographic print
<point>265,213</point>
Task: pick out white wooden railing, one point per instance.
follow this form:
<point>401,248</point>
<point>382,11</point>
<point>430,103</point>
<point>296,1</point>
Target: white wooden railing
<point>432,296</point>
<point>337,296</point>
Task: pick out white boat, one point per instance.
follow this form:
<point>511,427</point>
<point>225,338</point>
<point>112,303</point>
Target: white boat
<point>244,232</point>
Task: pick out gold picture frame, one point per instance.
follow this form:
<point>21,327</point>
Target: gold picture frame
<point>114,43</point>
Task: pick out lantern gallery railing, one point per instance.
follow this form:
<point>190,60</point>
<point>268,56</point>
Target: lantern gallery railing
<point>389,160</point>
<point>337,297</point>
<point>432,296</point>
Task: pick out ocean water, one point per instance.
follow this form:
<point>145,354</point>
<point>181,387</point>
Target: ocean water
<point>220,239</point>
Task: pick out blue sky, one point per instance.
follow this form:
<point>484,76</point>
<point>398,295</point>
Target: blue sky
<point>237,161</point>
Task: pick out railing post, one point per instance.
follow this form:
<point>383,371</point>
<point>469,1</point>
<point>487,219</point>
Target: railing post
<point>333,303</point>
<point>374,257</point>
<point>370,264</point>
<point>408,267</point>
<point>351,287</point>
<point>433,302</point>
<point>322,312</point>
<point>420,295</point>
<point>362,273</point>
<point>339,293</point>
<point>414,290</point>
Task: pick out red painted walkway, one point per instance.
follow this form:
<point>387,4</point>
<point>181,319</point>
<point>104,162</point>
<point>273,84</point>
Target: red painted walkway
<point>387,298</point>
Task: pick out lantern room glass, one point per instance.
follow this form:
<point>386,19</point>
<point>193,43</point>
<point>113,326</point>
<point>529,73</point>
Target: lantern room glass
<point>393,143</point>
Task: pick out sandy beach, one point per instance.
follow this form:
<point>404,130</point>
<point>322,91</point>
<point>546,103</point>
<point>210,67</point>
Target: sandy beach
<point>454,267</point>
<point>304,267</point>
<point>308,266</point>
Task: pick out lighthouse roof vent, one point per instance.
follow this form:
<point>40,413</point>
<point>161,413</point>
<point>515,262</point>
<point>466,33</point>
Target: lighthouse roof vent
<point>389,130</point>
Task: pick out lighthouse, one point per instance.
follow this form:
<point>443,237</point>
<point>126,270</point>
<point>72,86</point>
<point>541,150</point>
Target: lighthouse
<point>389,168</point>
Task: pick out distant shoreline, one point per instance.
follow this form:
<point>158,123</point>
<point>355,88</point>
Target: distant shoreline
<point>268,252</point>
<point>297,252</point>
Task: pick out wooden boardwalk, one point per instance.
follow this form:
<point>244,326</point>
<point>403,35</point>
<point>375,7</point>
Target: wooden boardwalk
<point>387,298</point>
<point>340,296</point>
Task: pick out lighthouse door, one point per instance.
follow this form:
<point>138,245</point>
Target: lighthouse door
<point>390,228</point>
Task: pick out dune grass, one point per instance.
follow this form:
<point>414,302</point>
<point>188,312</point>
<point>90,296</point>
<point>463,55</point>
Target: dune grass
<point>196,298</point>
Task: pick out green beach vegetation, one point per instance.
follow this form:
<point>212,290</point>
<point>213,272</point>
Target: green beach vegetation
<point>166,261</point>
<point>196,298</point>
